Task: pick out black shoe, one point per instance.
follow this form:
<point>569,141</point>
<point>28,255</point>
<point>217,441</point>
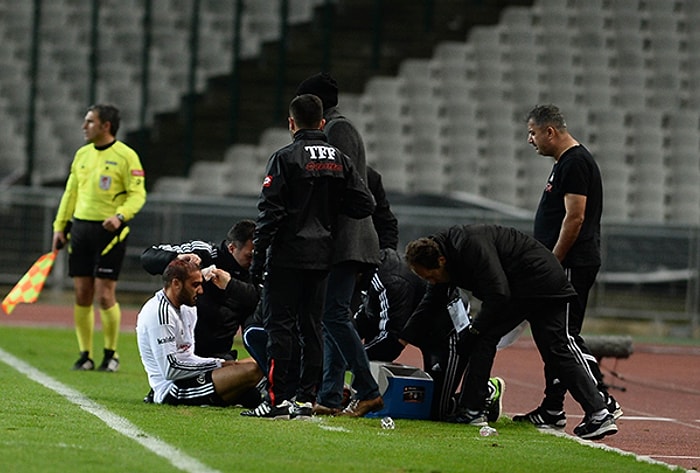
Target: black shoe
<point>149,397</point>
<point>542,419</point>
<point>84,363</point>
<point>465,417</point>
<point>591,429</point>
<point>301,410</point>
<point>109,363</point>
<point>613,406</point>
<point>494,403</point>
<point>266,411</point>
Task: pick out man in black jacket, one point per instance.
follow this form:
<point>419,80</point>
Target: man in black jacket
<point>356,252</point>
<point>308,184</point>
<point>516,278</point>
<point>394,293</point>
<point>221,312</point>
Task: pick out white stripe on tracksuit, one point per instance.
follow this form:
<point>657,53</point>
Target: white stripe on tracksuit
<point>450,371</point>
<point>383,311</point>
<point>572,345</point>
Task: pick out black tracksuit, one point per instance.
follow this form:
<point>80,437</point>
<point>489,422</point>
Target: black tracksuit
<point>308,184</point>
<point>516,278</point>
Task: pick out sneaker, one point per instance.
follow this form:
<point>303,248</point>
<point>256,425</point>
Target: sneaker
<point>358,408</point>
<point>542,419</point>
<point>149,397</point>
<point>591,429</point>
<point>321,410</point>
<point>301,410</point>
<point>613,406</point>
<point>494,403</point>
<point>465,417</point>
<point>84,363</point>
<point>265,410</point>
<point>110,363</point>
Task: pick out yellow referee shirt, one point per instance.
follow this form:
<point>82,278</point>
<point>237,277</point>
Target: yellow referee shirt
<point>102,182</point>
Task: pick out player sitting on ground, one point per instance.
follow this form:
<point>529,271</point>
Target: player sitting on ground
<point>165,335</point>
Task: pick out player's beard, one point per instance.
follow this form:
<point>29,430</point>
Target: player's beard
<point>186,298</point>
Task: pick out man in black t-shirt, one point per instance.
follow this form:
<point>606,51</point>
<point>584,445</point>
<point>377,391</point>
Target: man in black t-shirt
<point>568,223</point>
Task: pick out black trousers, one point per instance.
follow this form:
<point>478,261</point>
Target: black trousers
<point>559,352</point>
<point>447,366</point>
<point>582,278</point>
<point>292,311</point>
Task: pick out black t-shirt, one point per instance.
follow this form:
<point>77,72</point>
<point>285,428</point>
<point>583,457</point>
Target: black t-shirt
<point>576,172</point>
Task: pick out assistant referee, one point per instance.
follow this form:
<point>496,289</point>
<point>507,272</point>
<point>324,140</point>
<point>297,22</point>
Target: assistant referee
<point>105,190</point>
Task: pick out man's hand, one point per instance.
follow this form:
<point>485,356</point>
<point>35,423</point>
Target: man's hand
<point>220,277</point>
<point>112,223</point>
<point>194,258</point>
<point>59,241</point>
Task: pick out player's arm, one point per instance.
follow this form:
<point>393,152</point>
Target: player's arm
<point>575,205</point>
<point>176,363</point>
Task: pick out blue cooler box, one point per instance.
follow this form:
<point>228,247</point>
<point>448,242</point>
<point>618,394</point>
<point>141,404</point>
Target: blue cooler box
<point>407,390</point>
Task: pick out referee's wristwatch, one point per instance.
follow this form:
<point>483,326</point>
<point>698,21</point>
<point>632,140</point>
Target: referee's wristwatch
<point>121,218</point>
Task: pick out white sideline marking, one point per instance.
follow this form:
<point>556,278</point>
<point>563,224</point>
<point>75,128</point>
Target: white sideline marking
<point>607,448</point>
<point>648,418</point>
<point>333,428</point>
<point>174,456</point>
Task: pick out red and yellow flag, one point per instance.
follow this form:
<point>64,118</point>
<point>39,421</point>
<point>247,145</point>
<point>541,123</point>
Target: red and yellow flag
<point>29,287</point>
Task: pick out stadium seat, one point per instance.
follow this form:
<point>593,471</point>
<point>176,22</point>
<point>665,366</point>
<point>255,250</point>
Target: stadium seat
<point>596,87</point>
<point>683,196</point>
<point>616,207</point>
<point>180,186</point>
<point>426,165</point>
<point>533,172</point>
<point>499,173</point>
<point>273,139</point>
<point>383,97</point>
<point>210,178</point>
<point>246,169</point>
<point>451,61</point>
<point>419,82</point>
<point>517,27</point>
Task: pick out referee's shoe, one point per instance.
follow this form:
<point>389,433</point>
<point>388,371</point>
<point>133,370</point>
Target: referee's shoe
<point>110,363</point>
<point>84,363</point>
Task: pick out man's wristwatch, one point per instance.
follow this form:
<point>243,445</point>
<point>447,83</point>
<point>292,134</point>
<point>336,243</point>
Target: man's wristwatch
<point>121,218</point>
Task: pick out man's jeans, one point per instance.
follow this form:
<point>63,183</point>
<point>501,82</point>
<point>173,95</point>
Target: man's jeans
<point>342,347</point>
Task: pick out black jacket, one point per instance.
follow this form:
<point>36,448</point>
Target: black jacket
<point>356,239</point>
<point>220,313</point>
<point>385,222</point>
<point>393,294</point>
<point>500,266</point>
<point>308,184</point>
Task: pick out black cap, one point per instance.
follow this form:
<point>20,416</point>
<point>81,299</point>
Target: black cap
<point>321,85</point>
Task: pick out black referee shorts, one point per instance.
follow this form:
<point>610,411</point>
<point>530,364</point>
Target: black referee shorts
<point>94,251</point>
